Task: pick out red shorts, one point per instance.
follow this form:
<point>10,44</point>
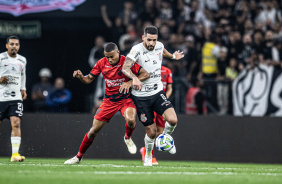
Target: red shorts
<point>108,108</point>
<point>159,120</point>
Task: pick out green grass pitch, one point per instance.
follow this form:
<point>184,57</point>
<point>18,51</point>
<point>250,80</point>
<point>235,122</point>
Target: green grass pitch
<point>41,171</point>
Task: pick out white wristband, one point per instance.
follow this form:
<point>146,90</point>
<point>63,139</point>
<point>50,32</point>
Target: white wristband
<point>173,56</point>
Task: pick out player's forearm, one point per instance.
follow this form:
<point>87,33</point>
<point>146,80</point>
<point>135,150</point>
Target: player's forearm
<point>167,54</point>
<point>143,76</point>
<point>168,92</point>
<point>126,69</point>
<point>86,79</point>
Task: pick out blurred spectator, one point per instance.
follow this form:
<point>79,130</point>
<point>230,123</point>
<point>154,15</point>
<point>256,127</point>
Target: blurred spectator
<point>130,35</point>
<point>41,90</point>
<point>97,52</point>
<point>245,54</point>
<point>231,71</point>
<point>149,13</point>
<point>58,99</point>
<point>222,85</point>
<point>128,15</point>
<point>195,101</point>
<point>116,28</point>
<point>167,13</point>
<point>191,58</point>
<point>269,15</point>
<point>270,54</point>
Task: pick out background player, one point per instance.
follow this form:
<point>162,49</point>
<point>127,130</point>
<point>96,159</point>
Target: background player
<point>166,76</point>
<point>115,98</point>
<point>13,91</point>
<point>149,54</point>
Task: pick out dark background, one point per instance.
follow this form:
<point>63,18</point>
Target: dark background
<point>64,46</point>
<point>197,138</point>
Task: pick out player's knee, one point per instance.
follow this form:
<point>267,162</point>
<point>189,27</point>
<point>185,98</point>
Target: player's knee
<point>16,124</point>
<point>152,133</point>
<point>131,122</point>
<point>172,121</point>
<point>92,133</point>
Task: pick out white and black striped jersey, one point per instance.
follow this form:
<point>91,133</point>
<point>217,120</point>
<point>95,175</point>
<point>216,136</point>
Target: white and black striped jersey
<point>15,69</point>
<point>151,61</point>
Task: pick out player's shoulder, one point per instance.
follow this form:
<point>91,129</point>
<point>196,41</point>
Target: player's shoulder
<point>159,45</point>
<point>21,58</point>
<point>3,55</point>
<point>101,61</point>
<point>136,48</point>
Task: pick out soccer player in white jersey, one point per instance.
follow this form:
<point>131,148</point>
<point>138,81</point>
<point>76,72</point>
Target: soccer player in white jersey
<point>13,91</point>
<point>148,95</point>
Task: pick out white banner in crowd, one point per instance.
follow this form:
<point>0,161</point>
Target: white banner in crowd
<point>258,92</point>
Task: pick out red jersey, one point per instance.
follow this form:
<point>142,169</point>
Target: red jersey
<point>114,77</point>
<point>166,76</point>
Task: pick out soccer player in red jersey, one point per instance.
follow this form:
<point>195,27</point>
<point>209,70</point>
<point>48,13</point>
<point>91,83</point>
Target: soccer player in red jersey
<point>166,78</point>
<point>116,97</point>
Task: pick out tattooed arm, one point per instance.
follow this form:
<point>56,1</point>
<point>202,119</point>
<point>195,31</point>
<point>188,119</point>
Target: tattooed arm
<point>126,70</point>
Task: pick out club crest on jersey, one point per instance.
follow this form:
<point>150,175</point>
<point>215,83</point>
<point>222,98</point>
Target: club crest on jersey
<point>20,7</point>
<point>143,118</point>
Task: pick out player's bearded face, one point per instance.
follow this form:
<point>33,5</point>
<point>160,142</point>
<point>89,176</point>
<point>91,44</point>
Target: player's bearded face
<point>13,47</point>
<point>150,41</point>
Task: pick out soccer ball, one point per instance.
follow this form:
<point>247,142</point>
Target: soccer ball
<point>164,142</point>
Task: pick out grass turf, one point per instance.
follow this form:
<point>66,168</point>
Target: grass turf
<point>43,171</point>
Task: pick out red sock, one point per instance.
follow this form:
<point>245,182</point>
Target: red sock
<point>86,143</point>
<point>129,131</point>
<point>153,152</point>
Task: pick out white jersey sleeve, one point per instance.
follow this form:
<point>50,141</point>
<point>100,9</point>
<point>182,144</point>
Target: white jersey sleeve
<point>134,53</point>
<point>23,77</point>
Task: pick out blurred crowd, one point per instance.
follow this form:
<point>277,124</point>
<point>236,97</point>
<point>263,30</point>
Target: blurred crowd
<point>220,38</point>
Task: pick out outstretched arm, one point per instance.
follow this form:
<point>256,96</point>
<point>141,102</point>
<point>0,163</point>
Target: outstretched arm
<point>176,55</point>
<point>126,70</point>
<point>85,79</point>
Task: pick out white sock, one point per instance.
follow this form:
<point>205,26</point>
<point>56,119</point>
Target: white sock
<point>16,142</point>
<point>149,144</point>
<point>168,128</point>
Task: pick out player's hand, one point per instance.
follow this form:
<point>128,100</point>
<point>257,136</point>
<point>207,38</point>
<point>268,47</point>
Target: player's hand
<point>178,55</point>
<point>124,88</point>
<point>137,84</point>
<point>24,95</point>
<point>78,74</point>
<point>4,80</point>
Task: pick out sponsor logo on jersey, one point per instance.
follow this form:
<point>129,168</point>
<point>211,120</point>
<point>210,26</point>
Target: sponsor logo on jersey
<point>8,93</point>
<point>116,82</point>
<point>149,88</point>
<point>160,56</point>
<point>145,52</point>
<point>136,55</point>
<point>143,118</point>
<point>155,75</point>
<point>107,66</point>
<point>147,60</point>
<point>20,7</point>
<point>155,62</point>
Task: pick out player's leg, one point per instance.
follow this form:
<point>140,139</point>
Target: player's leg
<point>87,141</point>
<point>171,120</point>
<point>164,107</point>
<point>16,139</point>
<point>129,116</point>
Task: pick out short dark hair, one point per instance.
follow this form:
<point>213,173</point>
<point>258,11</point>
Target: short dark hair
<point>110,47</point>
<point>150,30</point>
<point>12,37</point>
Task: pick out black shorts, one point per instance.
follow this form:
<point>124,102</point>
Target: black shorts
<point>147,105</point>
<point>11,108</point>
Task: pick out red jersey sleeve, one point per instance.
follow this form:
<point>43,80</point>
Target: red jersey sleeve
<point>136,68</point>
<point>96,70</point>
<point>169,77</point>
